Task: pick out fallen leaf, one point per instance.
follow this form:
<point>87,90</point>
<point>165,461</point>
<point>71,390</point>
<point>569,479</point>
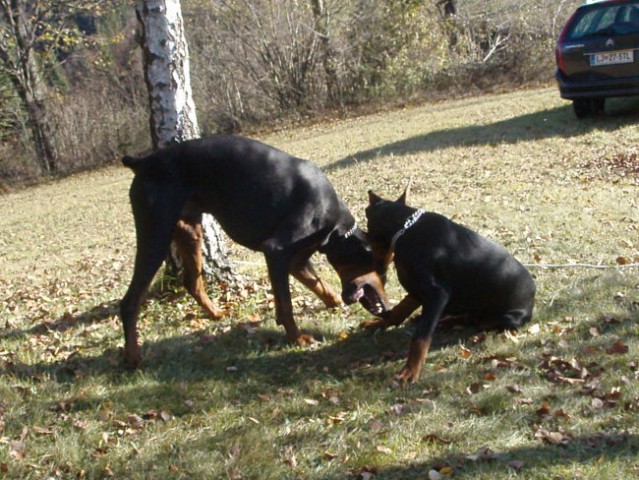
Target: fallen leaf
<point>434,475</point>
<point>617,348</point>
<point>17,449</point>
<point>514,389</point>
<point>134,419</point>
<point>534,329</point>
<point>383,449</point>
<point>554,438</point>
<point>473,388</point>
<point>464,352</point>
<point>311,401</point>
<point>434,438</point>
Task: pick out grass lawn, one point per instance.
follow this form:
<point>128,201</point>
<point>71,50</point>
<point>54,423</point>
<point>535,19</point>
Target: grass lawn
<point>231,400</point>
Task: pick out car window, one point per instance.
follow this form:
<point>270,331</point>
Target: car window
<point>605,20</point>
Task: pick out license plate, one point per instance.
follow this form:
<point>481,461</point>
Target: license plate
<point>612,58</point>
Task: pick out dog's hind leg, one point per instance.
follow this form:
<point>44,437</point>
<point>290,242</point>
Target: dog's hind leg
<point>433,298</point>
<point>155,212</point>
<point>151,252</point>
<point>188,239</point>
<point>278,264</point>
<point>302,269</point>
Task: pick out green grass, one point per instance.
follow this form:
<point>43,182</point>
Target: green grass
<point>559,400</point>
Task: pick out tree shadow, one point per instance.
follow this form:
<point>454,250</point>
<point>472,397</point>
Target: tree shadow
<point>517,461</point>
<point>556,122</point>
<point>67,321</point>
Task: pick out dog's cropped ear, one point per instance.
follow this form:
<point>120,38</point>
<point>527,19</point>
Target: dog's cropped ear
<point>134,163</point>
<point>128,161</point>
<point>404,197</point>
<point>373,198</point>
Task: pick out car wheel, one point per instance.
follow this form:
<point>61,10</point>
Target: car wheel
<point>588,106</point>
<point>597,106</point>
<point>581,107</point>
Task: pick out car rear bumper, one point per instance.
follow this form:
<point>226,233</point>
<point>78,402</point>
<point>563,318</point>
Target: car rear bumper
<point>570,89</point>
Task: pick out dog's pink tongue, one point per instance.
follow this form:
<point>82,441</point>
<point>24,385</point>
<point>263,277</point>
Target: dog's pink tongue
<point>358,294</point>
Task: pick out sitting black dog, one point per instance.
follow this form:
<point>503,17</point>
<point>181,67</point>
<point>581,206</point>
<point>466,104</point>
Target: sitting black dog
<point>264,199</point>
<point>446,269</point>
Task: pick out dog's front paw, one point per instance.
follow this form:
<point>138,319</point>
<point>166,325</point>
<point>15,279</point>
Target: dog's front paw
<point>375,324</point>
<point>304,339</point>
<point>132,357</point>
<point>407,375</point>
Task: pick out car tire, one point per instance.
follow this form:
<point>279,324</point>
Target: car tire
<point>597,106</point>
<point>584,107</point>
<point>581,107</point>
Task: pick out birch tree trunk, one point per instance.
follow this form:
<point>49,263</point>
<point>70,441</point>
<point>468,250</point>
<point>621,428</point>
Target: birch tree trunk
<point>322,27</point>
<point>173,116</point>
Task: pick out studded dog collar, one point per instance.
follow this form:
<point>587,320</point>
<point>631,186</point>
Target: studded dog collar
<point>410,221</point>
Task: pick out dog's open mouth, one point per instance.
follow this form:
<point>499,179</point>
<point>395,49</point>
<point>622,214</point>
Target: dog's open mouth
<point>369,298</point>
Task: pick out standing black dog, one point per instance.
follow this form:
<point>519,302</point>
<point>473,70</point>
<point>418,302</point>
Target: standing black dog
<point>446,269</point>
<point>265,200</point>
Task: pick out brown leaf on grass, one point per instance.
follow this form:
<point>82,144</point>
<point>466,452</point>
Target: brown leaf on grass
<point>331,395</point>
<point>134,420</point>
<point>543,411</point>
<point>474,388</point>
<point>329,455</point>
<point>464,352</point>
<point>477,339</point>
<point>383,449</point>
<point>483,454</point>
<point>4,467</point>
<point>617,348</point>
<point>364,473</point>
<point>336,419</point>
<point>502,361</point>
<point>43,431</point>
<point>376,426</point>
<point>560,437</point>
<point>516,389</point>
<point>17,449</point>
<point>434,438</point>
<point>397,409</point>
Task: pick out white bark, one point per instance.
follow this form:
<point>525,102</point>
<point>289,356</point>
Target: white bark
<point>166,55</point>
<point>173,114</point>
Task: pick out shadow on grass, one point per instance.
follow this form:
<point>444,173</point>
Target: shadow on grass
<point>522,462</point>
<point>262,361</point>
<point>67,321</point>
<point>557,122</point>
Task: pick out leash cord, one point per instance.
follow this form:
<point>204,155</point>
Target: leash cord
<point>579,265</point>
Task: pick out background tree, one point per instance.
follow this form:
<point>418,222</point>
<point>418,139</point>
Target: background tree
<point>21,42</point>
<point>172,110</point>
